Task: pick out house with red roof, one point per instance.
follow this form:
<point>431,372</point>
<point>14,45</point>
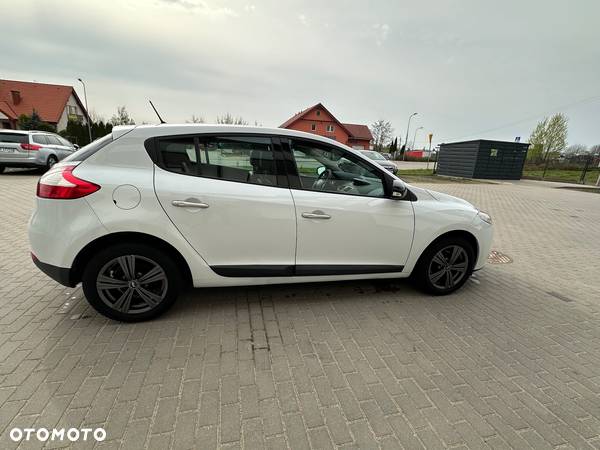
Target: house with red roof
<point>54,103</point>
<point>318,120</point>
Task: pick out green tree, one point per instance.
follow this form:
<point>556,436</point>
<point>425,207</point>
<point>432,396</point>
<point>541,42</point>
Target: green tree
<point>34,122</point>
<point>122,117</point>
<point>77,131</point>
<point>551,134</point>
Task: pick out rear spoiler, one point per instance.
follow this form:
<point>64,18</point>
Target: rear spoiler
<point>120,130</point>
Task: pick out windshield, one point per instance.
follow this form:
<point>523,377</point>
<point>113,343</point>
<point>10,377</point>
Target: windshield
<point>373,155</point>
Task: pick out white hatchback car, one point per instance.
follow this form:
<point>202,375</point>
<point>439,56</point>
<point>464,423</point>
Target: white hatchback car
<point>144,211</point>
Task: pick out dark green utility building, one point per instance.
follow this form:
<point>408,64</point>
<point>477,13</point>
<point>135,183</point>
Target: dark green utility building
<point>498,160</point>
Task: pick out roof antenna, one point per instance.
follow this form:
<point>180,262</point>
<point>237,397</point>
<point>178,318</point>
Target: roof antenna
<point>159,118</point>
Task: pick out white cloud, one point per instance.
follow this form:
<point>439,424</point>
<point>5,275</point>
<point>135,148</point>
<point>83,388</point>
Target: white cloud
<point>201,7</point>
<point>381,33</point>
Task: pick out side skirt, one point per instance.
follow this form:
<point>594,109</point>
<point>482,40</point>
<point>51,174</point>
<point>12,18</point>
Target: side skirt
<point>303,270</point>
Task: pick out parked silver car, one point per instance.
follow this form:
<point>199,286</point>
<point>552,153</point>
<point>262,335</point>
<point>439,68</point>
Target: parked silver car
<point>380,159</point>
<point>19,148</point>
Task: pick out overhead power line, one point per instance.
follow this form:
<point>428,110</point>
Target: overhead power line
<point>532,117</point>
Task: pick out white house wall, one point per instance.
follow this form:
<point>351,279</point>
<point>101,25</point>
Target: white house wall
<point>62,123</point>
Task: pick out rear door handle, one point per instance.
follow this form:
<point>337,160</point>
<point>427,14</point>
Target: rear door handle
<point>316,215</point>
<point>186,204</point>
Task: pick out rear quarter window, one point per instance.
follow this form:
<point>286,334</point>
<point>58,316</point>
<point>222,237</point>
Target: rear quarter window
<point>14,138</point>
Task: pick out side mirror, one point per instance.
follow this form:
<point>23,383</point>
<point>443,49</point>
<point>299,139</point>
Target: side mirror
<point>320,170</point>
<point>399,190</point>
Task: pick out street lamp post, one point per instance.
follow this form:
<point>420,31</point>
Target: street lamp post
<point>87,111</point>
<point>415,137</point>
<point>406,138</point>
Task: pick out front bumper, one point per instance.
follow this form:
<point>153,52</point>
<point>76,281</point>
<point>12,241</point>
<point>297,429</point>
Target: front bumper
<point>59,274</point>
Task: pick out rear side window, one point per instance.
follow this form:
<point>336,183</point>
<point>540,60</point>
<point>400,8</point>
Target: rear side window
<point>14,138</point>
<point>179,155</point>
<point>85,152</point>
<point>243,159</point>
<point>39,139</point>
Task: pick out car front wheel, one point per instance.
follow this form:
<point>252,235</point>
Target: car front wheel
<point>131,282</point>
<point>445,265</point>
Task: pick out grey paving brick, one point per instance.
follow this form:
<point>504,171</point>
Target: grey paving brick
<point>230,423</point>
<point>501,364</point>
<point>296,432</point>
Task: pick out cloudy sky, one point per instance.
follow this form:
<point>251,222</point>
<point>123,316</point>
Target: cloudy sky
<point>470,68</point>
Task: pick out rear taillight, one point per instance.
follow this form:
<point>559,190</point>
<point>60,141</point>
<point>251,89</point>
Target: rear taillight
<point>30,146</point>
<point>60,183</point>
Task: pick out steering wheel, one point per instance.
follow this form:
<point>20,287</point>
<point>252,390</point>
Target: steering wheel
<point>321,181</point>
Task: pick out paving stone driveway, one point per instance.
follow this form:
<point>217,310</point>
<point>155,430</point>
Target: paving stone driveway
<point>511,361</point>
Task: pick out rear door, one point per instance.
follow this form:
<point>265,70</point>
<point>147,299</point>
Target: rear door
<point>13,147</point>
<point>228,196</point>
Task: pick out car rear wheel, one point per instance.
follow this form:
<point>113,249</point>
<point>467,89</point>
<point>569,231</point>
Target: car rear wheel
<point>445,266</point>
<point>1,169</point>
<point>131,282</point>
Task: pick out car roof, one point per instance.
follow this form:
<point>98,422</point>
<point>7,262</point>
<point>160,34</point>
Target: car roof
<point>148,131</point>
<point>6,130</point>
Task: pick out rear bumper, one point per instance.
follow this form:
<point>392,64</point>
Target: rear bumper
<point>59,274</point>
<point>37,160</point>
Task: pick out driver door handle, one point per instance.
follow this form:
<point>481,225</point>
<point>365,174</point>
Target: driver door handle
<point>316,215</point>
<point>186,204</point>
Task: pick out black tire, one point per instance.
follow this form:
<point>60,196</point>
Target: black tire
<point>2,169</point>
<point>51,161</point>
<point>434,272</point>
<point>139,300</point>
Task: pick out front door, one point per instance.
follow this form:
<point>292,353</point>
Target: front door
<point>229,198</point>
<point>346,223</point>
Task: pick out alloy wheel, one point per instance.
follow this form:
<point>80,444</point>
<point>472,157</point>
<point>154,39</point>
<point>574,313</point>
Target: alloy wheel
<point>448,267</point>
<point>132,284</point>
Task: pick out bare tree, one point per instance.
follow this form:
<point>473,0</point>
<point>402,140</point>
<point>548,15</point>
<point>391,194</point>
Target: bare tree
<point>382,133</point>
<point>122,117</point>
<point>195,119</point>
<point>230,120</point>
<point>577,149</point>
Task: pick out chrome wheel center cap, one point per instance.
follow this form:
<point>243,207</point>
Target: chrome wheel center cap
<point>133,284</point>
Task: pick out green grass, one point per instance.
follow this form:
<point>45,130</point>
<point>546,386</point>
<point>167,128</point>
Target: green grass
<point>562,175</point>
<point>419,172</point>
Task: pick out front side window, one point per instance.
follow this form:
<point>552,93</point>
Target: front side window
<point>240,159</point>
<point>52,140</point>
<point>64,142</point>
<point>39,139</point>
<point>330,169</point>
